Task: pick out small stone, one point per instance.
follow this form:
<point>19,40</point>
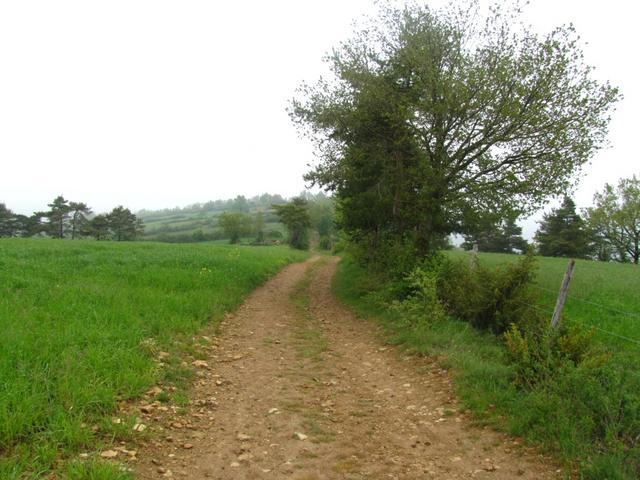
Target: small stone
<point>200,364</point>
<point>300,436</point>
<point>243,437</point>
<point>234,465</point>
<point>109,454</point>
<point>273,410</point>
<point>187,446</point>
<point>139,427</point>
<point>161,470</point>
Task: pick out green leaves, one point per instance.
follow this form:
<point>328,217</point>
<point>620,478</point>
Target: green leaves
<point>435,113</point>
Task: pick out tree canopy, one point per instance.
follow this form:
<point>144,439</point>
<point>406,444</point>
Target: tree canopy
<point>433,117</point>
<point>295,216</point>
<point>615,220</point>
<point>564,233</point>
<point>504,236</point>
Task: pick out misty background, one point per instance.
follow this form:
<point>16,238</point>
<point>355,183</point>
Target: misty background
<point>154,104</point>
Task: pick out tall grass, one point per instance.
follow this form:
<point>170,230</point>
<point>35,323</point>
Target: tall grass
<point>76,318</point>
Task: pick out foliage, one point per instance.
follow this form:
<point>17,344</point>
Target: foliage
<point>615,220</point>
<point>295,216</point>
<point>258,226</point>
<point>563,233</point>
<point>435,116</point>
<point>58,216</point>
<point>235,225</point>
<point>557,390</point>
<point>123,224</point>
<point>79,212</point>
<point>421,305</point>
<point>488,298</point>
<point>503,236</point>
<point>98,227</point>
<point>78,319</point>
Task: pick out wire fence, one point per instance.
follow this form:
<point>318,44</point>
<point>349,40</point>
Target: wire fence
<point>548,310</point>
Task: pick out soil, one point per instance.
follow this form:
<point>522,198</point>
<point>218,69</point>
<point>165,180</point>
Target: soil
<point>296,386</point>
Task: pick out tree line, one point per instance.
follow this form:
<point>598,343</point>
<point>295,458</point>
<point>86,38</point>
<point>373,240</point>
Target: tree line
<point>609,230</point>
<point>300,215</point>
<point>72,220</point>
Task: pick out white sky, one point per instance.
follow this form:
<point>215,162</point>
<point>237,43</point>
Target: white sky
<point>154,104</point>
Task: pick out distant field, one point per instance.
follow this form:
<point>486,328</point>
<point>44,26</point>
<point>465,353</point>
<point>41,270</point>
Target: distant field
<point>80,321</point>
<point>605,296</point>
<point>159,225</point>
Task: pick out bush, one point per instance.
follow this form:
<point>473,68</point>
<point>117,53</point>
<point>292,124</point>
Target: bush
<point>489,299</point>
<point>325,242</point>
<point>421,305</point>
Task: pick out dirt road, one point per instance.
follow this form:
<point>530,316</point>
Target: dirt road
<point>297,387</point>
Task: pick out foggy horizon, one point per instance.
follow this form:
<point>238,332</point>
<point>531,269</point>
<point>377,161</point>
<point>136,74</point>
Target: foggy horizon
<point>155,105</point>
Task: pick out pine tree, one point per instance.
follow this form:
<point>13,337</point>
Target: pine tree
<point>78,217</point>
<point>58,216</point>
<point>563,233</point>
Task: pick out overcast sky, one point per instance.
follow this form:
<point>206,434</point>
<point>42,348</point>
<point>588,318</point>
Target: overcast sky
<point>154,104</point>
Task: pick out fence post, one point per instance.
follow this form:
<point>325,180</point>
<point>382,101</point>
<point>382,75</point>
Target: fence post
<point>562,295</point>
<point>474,255</point>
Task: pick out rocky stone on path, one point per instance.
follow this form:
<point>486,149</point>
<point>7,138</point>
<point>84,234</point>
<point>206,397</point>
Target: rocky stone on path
<point>300,436</point>
<point>109,454</point>
<point>243,437</point>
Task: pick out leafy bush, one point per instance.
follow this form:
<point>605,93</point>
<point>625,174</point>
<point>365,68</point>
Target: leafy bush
<point>421,305</point>
<point>489,299</point>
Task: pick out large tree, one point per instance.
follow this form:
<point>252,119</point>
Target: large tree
<point>234,225</point>
<point>615,220</point>
<point>58,215</point>
<point>7,221</point>
<point>97,227</point>
<point>504,236</point>
<point>435,116</point>
<point>123,224</point>
<point>564,233</point>
<point>295,216</point>
<point>79,212</point>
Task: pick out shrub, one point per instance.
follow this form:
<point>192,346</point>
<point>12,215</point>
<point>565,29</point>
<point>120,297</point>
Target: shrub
<point>489,299</point>
<point>422,304</point>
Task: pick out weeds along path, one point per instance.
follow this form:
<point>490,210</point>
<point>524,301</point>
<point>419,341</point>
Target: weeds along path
<point>298,387</point>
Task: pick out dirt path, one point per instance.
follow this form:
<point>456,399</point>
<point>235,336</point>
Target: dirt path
<point>297,387</point>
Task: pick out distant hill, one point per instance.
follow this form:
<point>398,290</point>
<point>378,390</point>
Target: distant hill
<point>198,222</point>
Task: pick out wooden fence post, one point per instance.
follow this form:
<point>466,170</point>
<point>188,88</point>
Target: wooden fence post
<point>562,295</point>
<point>474,256</point>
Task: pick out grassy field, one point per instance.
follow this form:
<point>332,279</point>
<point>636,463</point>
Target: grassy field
<point>602,296</point>
<point>81,322</point>
<point>588,418</point>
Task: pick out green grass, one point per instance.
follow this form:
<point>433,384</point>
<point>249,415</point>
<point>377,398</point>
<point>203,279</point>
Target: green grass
<point>81,322</point>
<point>578,417</point>
<point>602,296</point>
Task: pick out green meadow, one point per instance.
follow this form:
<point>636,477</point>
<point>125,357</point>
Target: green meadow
<point>81,322</point>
